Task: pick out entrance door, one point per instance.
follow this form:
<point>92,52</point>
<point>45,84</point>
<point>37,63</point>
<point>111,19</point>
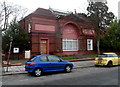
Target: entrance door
<point>43,46</point>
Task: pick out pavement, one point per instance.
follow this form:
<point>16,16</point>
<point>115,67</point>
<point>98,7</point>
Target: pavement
<point>79,63</point>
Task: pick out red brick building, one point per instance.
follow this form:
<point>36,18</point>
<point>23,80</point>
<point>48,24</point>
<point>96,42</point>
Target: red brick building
<point>54,31</point>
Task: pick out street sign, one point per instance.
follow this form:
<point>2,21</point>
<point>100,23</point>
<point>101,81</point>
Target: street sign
<point>15,50</point>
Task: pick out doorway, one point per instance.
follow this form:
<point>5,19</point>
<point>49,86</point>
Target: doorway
<point>44,46</point>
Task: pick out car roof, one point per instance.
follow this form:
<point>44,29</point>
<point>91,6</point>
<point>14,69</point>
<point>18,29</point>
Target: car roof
<point>109,53</point>
<point>43,55</point>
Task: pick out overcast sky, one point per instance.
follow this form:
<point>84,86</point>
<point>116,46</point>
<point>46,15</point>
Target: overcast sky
<point>67,5</point>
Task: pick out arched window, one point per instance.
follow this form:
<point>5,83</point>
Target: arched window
<point>70,38</point>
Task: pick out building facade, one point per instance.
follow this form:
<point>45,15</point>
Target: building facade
<point>56,32</point>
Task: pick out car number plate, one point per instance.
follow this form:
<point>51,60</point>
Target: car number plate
<point>99,62</point>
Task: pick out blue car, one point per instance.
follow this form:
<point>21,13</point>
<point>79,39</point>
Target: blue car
<point>46,63</point>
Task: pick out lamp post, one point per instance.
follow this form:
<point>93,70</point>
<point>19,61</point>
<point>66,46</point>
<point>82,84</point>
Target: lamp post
<point>11,40</point>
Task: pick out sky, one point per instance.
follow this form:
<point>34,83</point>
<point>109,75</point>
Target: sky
<point>66,5</point>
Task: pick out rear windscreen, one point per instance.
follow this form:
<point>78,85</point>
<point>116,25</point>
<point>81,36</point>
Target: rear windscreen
<point>32,59</point>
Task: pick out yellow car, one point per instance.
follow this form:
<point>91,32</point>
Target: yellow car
<point>107,59</point>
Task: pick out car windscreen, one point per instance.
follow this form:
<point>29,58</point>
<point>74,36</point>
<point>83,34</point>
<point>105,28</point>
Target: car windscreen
<point>32,59</point>
<point>113,55</point>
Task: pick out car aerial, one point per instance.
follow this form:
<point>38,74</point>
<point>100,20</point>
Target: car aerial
<point>38,64</point>
<point>107,59</point>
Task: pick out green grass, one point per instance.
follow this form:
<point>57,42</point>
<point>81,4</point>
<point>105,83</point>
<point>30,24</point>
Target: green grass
<point>69,58</point>
<point>90,55</point>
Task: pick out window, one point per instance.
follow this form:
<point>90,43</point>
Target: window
<point>32,59</point>
<point>89,44</point>
<point>29,28</point>
<point>112,55</point>
<point>53,58</point>
<point>102,55</point>
<point>115,55</point>
<point>107,55</point>
<point>43,58</point>
<point>70,45</point>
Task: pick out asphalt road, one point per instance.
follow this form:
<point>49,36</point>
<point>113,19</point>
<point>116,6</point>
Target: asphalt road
<point>79,76</point>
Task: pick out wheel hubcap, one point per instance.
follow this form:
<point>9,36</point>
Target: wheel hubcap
<point>38,72</point>
<point>68,68</point>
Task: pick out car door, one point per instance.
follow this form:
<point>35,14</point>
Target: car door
<point>45,64</point>
<point>55,63</point>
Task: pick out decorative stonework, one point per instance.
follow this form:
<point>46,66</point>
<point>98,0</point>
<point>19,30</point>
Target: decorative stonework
<point>48,28</point>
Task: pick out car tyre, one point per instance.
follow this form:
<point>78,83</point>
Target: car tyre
<point>68,68</point>
<point>37,72</point>
<point>110,64</point>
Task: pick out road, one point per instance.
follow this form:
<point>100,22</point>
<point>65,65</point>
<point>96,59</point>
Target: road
<point>79,76</point>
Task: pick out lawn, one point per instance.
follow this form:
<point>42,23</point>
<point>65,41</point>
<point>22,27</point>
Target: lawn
<point>69,58</point>
<point>90,55</point>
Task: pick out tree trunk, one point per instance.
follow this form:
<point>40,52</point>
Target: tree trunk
<point>98,46</point>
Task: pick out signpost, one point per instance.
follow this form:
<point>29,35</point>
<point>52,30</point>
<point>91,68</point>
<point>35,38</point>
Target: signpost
<point>16,50</point>
<point>11,39</point>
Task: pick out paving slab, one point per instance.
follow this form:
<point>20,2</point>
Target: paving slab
<point>21,69</point>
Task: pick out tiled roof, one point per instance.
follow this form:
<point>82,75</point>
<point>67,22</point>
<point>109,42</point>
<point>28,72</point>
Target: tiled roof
<point>54,14</point>
<point>43,12</point>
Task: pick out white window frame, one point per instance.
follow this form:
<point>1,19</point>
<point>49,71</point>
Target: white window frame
<point>70,44</point>
<point>89,44</point>
<point>29,27</point>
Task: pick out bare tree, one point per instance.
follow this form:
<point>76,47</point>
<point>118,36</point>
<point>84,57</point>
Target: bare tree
<point>8,12</point>
<point>19,12</point>
<point>1,18</point>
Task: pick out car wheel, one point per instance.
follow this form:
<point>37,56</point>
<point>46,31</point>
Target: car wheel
<point>68,68</point>
<point>37,72</point>
<point>110,64</point>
